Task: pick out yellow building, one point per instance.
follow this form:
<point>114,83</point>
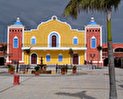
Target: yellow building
<point>56,42</point>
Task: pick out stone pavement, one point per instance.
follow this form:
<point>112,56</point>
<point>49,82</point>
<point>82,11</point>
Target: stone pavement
<point>87,84</point>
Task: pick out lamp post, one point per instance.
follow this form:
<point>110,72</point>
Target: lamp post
<point>71,55</point>
<point>17,66</point>
<point>41,60</point>
<point>92,56</point>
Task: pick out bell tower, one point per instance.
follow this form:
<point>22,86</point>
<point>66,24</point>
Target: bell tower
<point>14,42</point>
<point>93,33</point>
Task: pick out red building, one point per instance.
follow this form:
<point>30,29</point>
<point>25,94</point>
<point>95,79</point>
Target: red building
<point>93,41</point>
<point>118,54</point>
<point>14,42</point>
<point>3,54</point>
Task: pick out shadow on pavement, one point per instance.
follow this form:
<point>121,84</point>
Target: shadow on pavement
<point>121,86</point>
<point>81,95</point>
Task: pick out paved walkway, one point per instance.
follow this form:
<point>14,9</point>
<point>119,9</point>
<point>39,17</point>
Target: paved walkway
<point>87,84</point>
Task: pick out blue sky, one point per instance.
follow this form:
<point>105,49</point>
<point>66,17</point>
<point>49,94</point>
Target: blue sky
<point>32,12</point>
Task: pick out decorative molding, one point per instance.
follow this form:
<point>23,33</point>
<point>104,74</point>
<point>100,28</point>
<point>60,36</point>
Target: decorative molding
<point>52,19</point>
<point>55,48</point>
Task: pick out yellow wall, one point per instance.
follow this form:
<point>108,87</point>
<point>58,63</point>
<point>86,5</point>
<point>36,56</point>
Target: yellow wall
<point>54,57</point>
<point>64,30</point>
<point>66,40</point>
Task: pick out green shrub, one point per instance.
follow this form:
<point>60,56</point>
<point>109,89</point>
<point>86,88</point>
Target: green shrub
<point>37,68</point>
<point>11,67</point>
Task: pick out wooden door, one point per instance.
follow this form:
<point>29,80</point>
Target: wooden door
<point>75,59</point>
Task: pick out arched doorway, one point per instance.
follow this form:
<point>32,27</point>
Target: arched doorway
<point>75,59</point>
<point>105,61</point>
<point>118,62</point>
<point>119,50</point>
<point>33,59</point>
<point>2,60</point>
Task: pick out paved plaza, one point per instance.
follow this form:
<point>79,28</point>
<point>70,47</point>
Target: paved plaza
<point>86,84</point>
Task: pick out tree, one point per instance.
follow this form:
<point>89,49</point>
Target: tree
<point>75,6</point>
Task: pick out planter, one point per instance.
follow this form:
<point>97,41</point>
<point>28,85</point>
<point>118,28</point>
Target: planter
<point>11,69</point>
<point>37,70</point>
<point>32,72</point>
<point>63,71</point>
<point>74,71</point>
<point>11,72</point>
<point>37,73</point>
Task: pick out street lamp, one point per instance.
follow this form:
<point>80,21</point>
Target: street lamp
<point>17,66</point>
<point>92,56</point>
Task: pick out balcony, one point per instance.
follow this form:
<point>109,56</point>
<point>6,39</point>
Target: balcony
<point>47,47</point>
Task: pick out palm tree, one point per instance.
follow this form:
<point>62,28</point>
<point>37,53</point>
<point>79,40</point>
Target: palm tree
<point>75,6</point>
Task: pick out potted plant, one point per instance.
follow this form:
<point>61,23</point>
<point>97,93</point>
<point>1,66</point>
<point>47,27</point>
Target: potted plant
<point>37,70</point>
<point>11,69</point>
<point>63,69</point>
<point>74,69</point>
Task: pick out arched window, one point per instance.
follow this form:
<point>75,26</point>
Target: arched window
<point>75,40</point>
<point>33,40</point>
<point>33,59</point>
<point>53,40</point>
<point>48,58</point>
<point>119,50</point>
<point>93,42</point>
<point>15,42</point>
<point>60,58</point>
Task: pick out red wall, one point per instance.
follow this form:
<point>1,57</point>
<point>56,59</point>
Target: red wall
<point>15,53</point>
<point>90,32</point>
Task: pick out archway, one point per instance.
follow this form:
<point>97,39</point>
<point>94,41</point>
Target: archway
<point>75,59</point>
<point>2,60</point>
<point>105,62</point>
<point>118,62</point>
<point>119,50</point>
<point>33,59</point>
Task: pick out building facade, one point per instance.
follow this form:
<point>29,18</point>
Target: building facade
<point>118,54</point>
<point>3,48</point>
<point>93,32</point>
<point>14,42</point>
<point>55,42</point>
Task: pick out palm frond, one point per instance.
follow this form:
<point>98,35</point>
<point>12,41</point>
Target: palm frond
<point>72,8</point>
<point>75,6</point>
